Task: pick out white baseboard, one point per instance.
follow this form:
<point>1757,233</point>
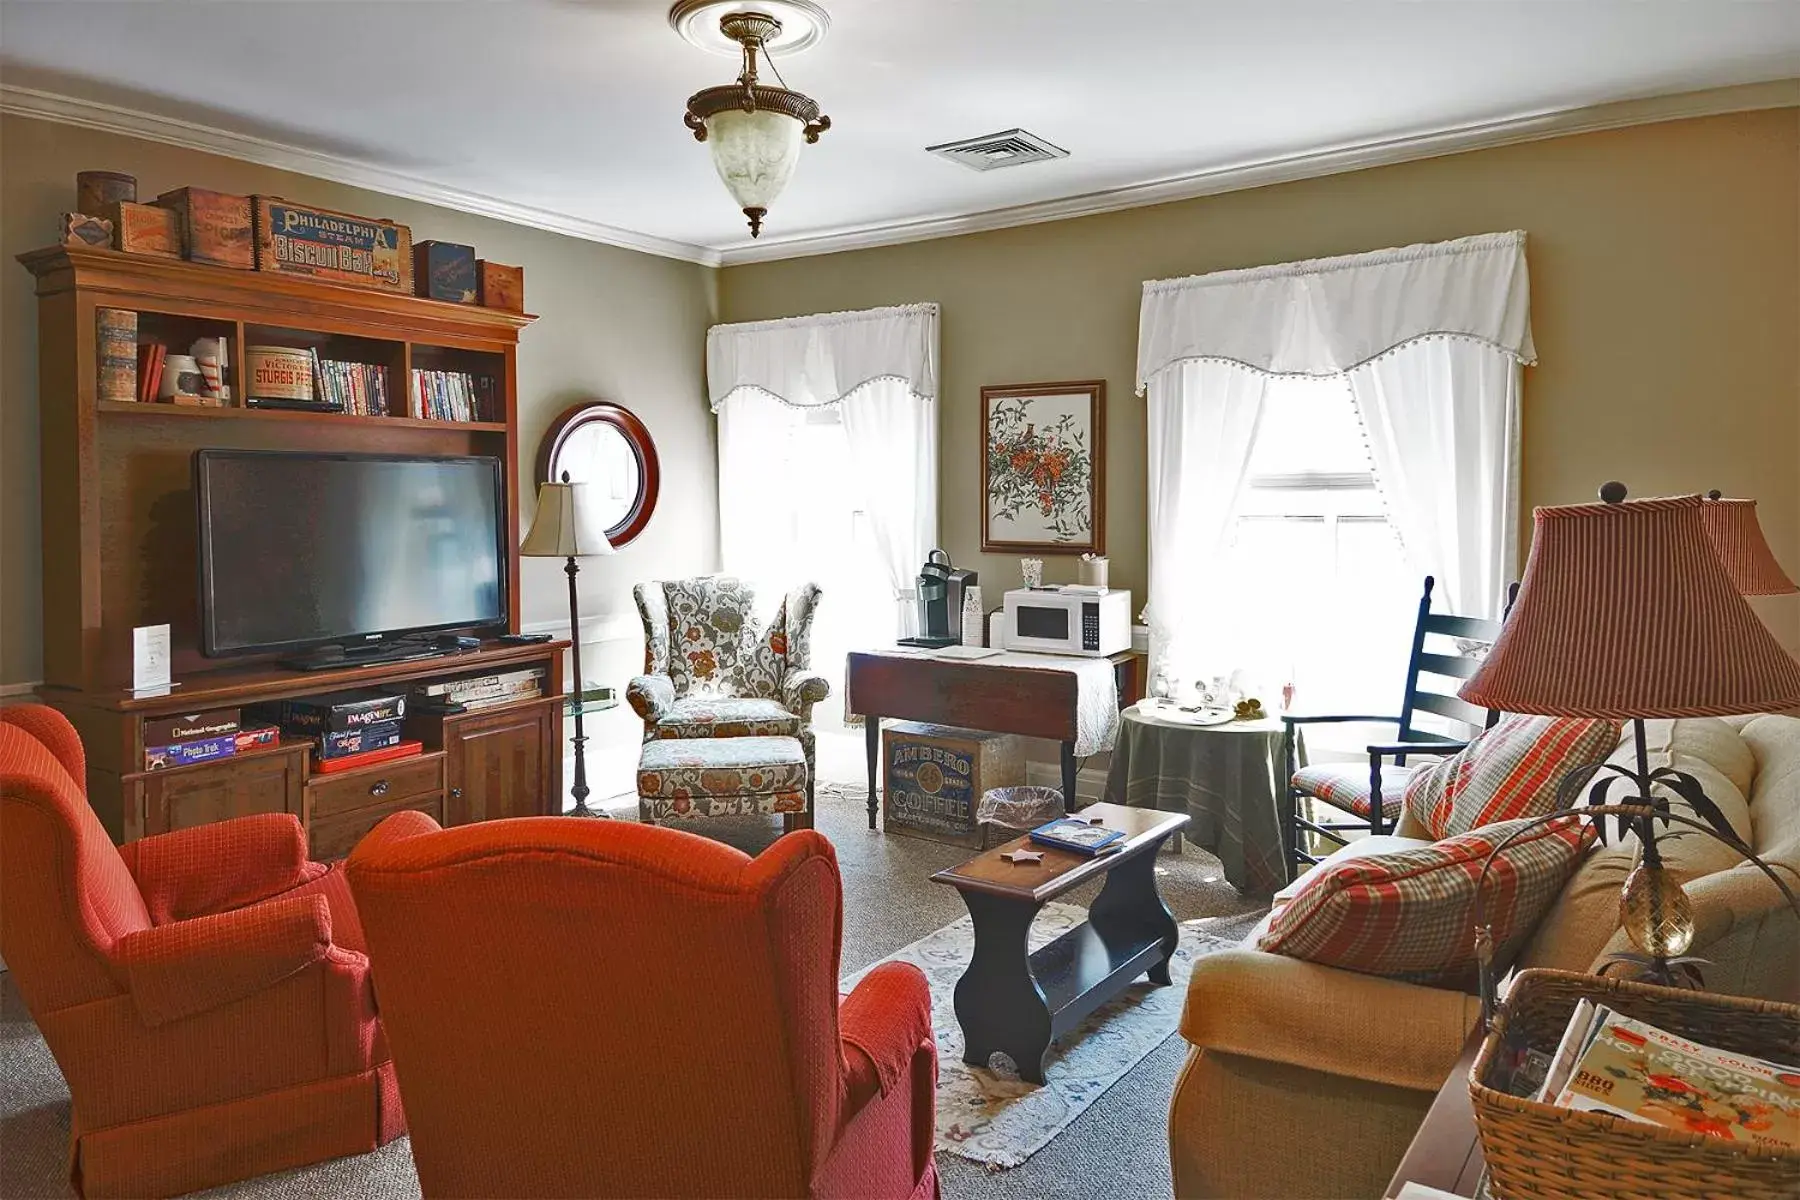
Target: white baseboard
<point>1089,784</point>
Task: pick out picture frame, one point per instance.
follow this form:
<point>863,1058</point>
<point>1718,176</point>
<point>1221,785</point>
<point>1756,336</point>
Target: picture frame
<point>1043,467</point>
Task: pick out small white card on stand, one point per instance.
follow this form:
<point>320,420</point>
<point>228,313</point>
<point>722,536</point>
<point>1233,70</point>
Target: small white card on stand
<point>150,658</point>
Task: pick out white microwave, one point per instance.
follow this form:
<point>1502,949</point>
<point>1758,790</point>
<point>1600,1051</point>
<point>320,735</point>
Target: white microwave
<point>1067,621</point>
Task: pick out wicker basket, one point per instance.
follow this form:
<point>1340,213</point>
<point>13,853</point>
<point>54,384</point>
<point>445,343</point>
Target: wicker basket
<point>1540,1152</point>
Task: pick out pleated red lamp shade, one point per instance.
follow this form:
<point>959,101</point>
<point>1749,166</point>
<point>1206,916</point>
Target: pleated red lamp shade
<point>1735,534</point>
<point>1627,611</point>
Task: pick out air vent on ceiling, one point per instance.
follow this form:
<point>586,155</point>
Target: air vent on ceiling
<point>992,151</point>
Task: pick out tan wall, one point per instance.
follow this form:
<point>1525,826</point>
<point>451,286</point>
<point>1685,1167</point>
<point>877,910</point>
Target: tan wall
<point>625,326</point>
<point>1665,264</point>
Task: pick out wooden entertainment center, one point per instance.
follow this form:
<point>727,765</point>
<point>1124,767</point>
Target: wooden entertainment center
<point>119,547</point>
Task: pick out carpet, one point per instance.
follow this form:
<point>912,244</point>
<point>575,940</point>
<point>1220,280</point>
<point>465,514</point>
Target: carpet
<point>992,1116</point>
<point>1118,1146</point>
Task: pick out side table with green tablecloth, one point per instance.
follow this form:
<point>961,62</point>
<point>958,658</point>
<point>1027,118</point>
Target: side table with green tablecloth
<point>1226,778</point>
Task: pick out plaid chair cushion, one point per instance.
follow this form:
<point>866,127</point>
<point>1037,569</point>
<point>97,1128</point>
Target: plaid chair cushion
<point>1512,770</point>
<point>1346,786</point>
<point>1411,914</point>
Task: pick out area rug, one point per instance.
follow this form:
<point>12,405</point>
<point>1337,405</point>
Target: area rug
<point>996,1118</point>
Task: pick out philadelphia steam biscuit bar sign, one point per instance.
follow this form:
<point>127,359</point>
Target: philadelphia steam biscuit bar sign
<point>296,239</point>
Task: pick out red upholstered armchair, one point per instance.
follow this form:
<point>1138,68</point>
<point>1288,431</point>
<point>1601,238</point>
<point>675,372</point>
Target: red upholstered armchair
<point>203,992</point>
<point>596,1008</point>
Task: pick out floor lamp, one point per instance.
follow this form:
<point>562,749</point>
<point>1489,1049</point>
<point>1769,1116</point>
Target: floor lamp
<point>562,529</point>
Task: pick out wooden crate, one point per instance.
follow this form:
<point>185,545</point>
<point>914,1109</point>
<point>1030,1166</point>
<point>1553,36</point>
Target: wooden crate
<point>933,777</point>
<point>215,226</point>
<point>145,229</point>
<point>501,286</point>
<point>299,239</point>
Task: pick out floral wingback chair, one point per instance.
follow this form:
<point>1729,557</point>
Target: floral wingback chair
<point>716,666</point>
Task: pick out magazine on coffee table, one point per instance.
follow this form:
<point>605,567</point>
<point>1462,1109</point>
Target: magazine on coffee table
<point>1073,833</point>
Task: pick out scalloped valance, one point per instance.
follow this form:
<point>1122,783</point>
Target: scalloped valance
<point>810,361</point>
<point>1327,315</point>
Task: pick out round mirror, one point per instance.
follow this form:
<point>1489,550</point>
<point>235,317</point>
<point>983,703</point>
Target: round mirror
<point>607,448</point>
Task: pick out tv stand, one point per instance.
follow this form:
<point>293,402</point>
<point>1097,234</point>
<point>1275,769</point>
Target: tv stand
<point>331,657</point>
<point>503,761</point>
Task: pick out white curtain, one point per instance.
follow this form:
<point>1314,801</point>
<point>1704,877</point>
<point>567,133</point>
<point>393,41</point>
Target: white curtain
<point>892,435</point>
<point>756,510</point>
<point>1203,418</point>
<point>878,368</point>
<point>1431,339</point>
<point>1442,418</point>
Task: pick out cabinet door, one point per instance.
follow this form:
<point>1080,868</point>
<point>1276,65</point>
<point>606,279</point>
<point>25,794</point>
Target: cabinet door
<point>502,765</point>
<point>217,791</point>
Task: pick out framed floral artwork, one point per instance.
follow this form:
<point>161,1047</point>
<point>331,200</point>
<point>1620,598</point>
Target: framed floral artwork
<point>1043,467</point>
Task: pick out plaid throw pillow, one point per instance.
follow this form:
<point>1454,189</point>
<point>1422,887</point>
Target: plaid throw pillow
<point>1411,914</point>
<point>1512,770</point>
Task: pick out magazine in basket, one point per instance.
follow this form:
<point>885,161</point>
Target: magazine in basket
<point>1635,1070</point>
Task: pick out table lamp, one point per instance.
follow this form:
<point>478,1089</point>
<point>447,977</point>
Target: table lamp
<point>562,529</point>
<point>1628,612</point>
<point>1732,528</point>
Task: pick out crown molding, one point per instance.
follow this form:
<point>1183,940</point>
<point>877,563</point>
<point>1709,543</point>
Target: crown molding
<point>172,131</point>
<point>1432,143</point>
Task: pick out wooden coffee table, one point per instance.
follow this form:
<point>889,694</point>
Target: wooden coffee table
<point>1019,1002</point>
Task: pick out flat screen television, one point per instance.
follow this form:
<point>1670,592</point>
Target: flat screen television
<point>301,550</point>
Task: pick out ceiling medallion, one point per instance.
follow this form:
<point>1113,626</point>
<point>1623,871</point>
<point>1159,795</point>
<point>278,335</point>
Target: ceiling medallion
<point>754,130</point>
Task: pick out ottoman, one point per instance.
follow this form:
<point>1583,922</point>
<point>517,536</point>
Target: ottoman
<point>723,777</point>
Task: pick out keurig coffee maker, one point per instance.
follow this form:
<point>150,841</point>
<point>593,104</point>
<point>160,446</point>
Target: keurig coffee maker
<point>940,591</point>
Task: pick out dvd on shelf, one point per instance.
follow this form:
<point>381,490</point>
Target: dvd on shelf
<point>452,396</point>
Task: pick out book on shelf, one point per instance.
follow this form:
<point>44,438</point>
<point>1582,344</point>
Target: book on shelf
<point>350,762</point>
<point>352,709</point>
<point>480,702</point>
<point>150,358</point>
<point>1610,1063</point>
<point>181,754</point>
<point>360,389</point>
<point>481,687</point>
<point>451,396</point>
<point>338,743</point>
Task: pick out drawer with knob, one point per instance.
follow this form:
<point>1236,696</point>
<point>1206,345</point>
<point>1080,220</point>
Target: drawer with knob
<point>340,809</point>
<point>328,795</point>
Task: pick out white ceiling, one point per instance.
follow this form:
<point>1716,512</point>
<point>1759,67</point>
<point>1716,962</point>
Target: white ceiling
<point>567,113</point>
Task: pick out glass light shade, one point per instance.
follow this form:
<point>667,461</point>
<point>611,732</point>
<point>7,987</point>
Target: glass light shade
<point>1656,915</point>
<point>754,153</point>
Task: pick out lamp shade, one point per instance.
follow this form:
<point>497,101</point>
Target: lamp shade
<point>754,152</point>
<point>1735,534</point>
<point>562,528</point>
<point>1626,611</point>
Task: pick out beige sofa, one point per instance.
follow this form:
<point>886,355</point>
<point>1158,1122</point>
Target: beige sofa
<point>1307,1080</point>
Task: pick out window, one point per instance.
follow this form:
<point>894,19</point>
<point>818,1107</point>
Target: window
<point>801,518</point>
<point>1316,590</point>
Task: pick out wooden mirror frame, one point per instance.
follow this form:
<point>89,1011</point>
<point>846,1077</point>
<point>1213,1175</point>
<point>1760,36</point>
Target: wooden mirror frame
<point>590,412</point>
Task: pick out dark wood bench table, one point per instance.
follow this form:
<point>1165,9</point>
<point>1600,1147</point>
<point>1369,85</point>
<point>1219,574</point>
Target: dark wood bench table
<point>975,694</point>
<point>1018,1002</point>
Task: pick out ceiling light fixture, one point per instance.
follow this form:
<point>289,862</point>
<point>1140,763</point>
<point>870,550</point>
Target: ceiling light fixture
<point>753,129</point>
